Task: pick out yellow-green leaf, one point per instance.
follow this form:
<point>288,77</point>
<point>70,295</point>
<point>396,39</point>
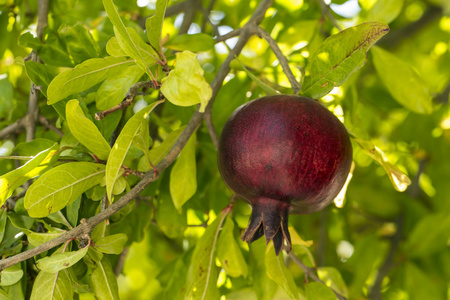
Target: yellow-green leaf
<point>60,186</point>
<point>59,261</point>
<point>53,286</point>
<point>185,85</point>
<point>85,131</point>
<point>183,176</point>
<point>153,25</point>
<point>111,244</point>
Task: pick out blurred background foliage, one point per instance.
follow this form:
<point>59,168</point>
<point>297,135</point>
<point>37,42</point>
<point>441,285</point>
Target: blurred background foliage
<point>377,230</point>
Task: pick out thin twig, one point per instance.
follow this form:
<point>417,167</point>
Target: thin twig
<point>12,128</point>
<point>281,58</point>
<point>121,261</point>
<point>310,273</point>
<point>327,12</point>
<point>83,230</point>
<point>228,36</point>
<point>189,15</point>
<point>207,13</point>
<point>44,121</point>
<point>129,97</point>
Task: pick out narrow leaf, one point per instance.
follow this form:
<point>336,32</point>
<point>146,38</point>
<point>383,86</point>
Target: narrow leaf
<point>60,261</point>
<point>123,143</point>
<point>11,275</point>
<point>34,167</point>
<point>113,90</point>
<point>185,85</point>
<point>228,252</point>
<point>154,25</point>
<point>111,244</point>
<point>183,176</point>
<point>85,131</point>
<point>202,273</point>
<point>123,35</point>
<point>403,82</point>
<point>104,282</point>
<point>192,42</point>
<point>52,286</point>
<point>278,272</point>
<point>399,179</point>
<point>339,56</point>
<point>268,89</point>
<point>60,186</point>
<point>84,76</point>
<point>156,154</point>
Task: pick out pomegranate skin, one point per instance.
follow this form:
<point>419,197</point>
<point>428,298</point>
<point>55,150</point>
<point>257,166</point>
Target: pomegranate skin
<point>285,155</point>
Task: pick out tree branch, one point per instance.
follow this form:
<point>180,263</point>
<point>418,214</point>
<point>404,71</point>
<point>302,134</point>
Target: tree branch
<point>327,12</point>
<point>86,226</point>
<point>281,58</point>
<point>310,273</point>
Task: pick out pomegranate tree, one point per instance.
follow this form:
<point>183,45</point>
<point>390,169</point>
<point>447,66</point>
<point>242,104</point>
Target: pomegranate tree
<point>285,155</point>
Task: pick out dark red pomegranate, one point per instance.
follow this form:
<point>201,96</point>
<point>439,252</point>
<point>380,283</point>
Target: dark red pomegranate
<point>284,154</point>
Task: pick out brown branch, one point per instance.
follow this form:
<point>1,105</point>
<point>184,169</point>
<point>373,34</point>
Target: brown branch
<point>12,128</point>
<point>189,15</point>
<point>129,97</point>
<point>281,58</point>
<point>176,9</point>
<point>86,226</point>
<point>326,11</point>
<point>375,291</point>
<point>310,273</point>
<point>207,12</point>
<point>44,121</point>
<point>121,262</point>
<point>229,35</point>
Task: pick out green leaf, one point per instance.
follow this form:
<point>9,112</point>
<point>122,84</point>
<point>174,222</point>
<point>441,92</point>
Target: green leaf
<point>40,74</point>
<point>11,275</point>
<point>79,41</point>
<point>202,273</point>
<point>399,179</point>
<point>114,49</point>
<point>154,24</point>
<point>192,42</point>
<point>6,97</point>
<point>339,56</point>
<point>318,291</point>
<point>2,222</point>
<point>171,222</point>
<point>4,295</point>
<point>385,11</point>
<point>228,252</point>
<point>278,272</point>
<point>34,167</point>
<point>36,239</point>
<point>113,90</point>
<point>183,176</point>
<point>53,286</point>
<point>429,235</point>
<point>104,282</point>
<point>123,35</point>
<point>122,144</point>
<point>60,261</point>
<point>268,89</point>
<point>333,279</point>
<point>402,81</point>
<point>156,154</point>
<point>111,244</point>
<point>60,186</point>
<point>142,140</point>
<point>33,147</point>
<point>85,131</point>
<point>265,288</point>
<point>419,284</point>
<point>84,76</point>
<point>185,85</point>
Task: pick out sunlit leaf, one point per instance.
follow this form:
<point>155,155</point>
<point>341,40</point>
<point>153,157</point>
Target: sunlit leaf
<point>121,146</point>
<point>319,291</point>
<point>60,261</point>
<point>183,176</point>
<point>52,286</point>
<point>153,25</point>
<point>228,252</point>
<point>333,279</point>
<point>60,186</point>
<point>185,85</point>
<point>11,275</point>
<point>339,56</point>
<point>79,41</point>
<point>104,282</point>
<point>85,131</point>
<point>111,244</point>
<point>192,42</point>
<point>34,167</point>
<point>38,238</point>
<point>278,272</point>
<point>402,81</point>
<point>399,179</point>
<point>84,76</point>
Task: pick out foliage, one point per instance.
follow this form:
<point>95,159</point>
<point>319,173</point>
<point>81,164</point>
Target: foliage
<point>109,184</point>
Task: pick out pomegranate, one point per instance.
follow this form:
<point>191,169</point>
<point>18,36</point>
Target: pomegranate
<point>285,155</point>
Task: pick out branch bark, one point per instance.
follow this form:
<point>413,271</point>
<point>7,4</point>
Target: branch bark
<point>86,226</point>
